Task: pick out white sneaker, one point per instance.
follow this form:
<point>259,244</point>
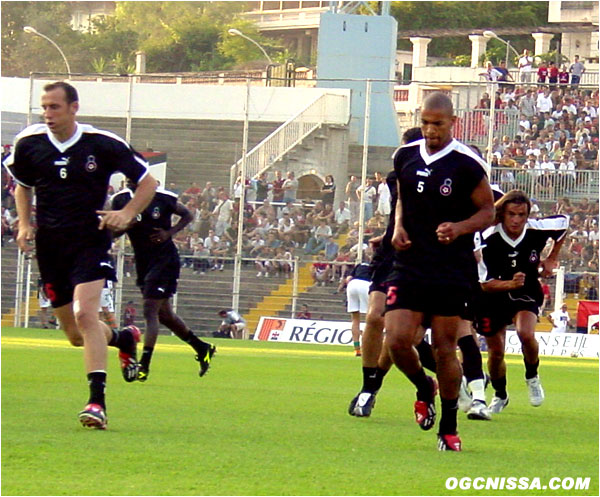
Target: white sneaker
<point>479,411</point>
<point>497,405</point>
<point>258,275</point>
<point>464,397</point>
<point>536,392</point>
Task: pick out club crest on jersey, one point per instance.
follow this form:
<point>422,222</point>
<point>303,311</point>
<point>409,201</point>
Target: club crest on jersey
<point>533,257</point>
<point>156,213</point>
<point>446,188</point>
<point>90,164</point>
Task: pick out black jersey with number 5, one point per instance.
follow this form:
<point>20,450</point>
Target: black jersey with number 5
<point>502,256</point>
<point>76,171</point>
<point>435,189</point>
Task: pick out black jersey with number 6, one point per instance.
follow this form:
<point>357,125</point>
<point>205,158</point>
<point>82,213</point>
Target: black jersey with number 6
<point>76,171</point>
<point>435,189</point>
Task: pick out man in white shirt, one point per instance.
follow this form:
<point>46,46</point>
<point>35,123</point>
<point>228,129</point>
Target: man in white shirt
<point>560,320</point>
<point>544,102</point>
<point>525,66</point>
<point>342,217</point>
<point>223,212</point>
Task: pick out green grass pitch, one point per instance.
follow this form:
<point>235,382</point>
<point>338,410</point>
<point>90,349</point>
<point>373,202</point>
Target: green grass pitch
<point>271,419</point>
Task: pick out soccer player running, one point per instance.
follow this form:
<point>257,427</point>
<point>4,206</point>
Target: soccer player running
<point>444,197</point>
<point>509,273</point>
<point>157,265</point>
<point>69,166</point>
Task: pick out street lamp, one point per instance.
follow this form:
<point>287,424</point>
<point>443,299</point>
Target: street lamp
<point>490,34</point>
<point>237,32</point>
<point>31,30</point>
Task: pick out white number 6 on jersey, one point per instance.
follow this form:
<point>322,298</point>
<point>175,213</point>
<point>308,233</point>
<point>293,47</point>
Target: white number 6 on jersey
<point>420,186</point>
<point>63,172</point>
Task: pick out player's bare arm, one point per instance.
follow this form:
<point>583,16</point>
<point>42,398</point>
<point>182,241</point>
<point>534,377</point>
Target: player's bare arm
<point>120,219</point>
<point>23,202</point>
<point>400,239</point>
<point>375,241</point>
<point>518,281</point>
<point>185,218</point>
<point>483,199</point>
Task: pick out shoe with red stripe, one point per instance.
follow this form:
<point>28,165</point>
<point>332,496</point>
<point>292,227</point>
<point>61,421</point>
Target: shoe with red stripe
<point>425,411</point>
<point>93,416</point>
<point>128,354</point>
<point>449,442</point>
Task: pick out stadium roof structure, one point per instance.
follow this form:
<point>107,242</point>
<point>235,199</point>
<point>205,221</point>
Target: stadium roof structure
<point>584,27</point>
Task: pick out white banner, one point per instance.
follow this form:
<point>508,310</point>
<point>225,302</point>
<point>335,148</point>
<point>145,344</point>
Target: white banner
<point>273,329</point>
<point>558,344</point>
<point>304,331</point>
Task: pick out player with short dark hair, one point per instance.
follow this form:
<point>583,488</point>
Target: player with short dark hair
<point>69,166</point>
<point>157,264</point>
<point>509,275</point>
<point>444,197</point>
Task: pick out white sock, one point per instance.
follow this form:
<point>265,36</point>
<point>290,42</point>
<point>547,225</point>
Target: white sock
<point>477,388</point>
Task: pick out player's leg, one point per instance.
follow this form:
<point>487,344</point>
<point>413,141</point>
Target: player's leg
<point>151,308</point>
<point>402,327</point>
<point>449,371</point>
<point>472,403</point>
<point>173,322</point>
<point>525,322</point>
<point>355,318</point>
<point>497,370</point>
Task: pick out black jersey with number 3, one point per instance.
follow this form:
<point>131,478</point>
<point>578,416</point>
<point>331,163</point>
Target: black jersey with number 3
<point>435,189</point>
<point>76,171</point>
<point>502,256</point>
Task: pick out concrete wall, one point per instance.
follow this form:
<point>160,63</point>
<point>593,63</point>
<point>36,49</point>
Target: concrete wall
<point>171,101</point>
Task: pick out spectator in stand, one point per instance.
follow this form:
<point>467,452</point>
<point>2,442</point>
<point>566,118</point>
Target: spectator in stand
<point>525,67</point>
<point>262,187</point>
<point>286,224</point>
<point>577,69</point>
<point>328,190</point>
<point>129,314</point>
<point>278,187</point>
<point>209,195</point>
<point>331,249</point>
<point>304,313</point>
<point>544,102</point>
<point>201,262</point>
<point>542,72</point>
<point>318,238</point>
<point>326,214</point>
<point>552,75</point>
<point>320,271</point>
<point>191,193</point>
<point>290,188</point>
<point>352,197</point>
<point>210,242</point>
<point>342,218</point>
<point>504,76</point>
<point>369,192</point>
<point>563,77</point>
<point>222,213</point>
<point>527,105</point>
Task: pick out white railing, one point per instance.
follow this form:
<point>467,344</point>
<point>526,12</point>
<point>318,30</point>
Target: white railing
<point>328,108</point>
<point>546,185</point>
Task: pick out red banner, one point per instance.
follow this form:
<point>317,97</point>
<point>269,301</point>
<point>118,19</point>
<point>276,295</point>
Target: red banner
<point>585,308</point>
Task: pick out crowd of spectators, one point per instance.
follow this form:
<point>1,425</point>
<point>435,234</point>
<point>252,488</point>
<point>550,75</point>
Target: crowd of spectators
<point>551,129</point>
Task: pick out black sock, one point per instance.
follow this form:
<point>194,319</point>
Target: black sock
<point>448,418</point>
<point>423,384</point>
<point>499,385</point>
<point>472,364</point>
<point>381,375</point>
<point>146,357</point>
<point>531,370</point>
<point>97,383</point>
<point>426,355</point>
<point>372,379</point>
<point>197,344</point>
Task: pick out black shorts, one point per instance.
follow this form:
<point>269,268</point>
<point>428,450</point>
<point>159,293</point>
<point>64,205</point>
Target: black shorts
<point>496,311</point>
<point>430,299</point>
<point>164,269</point>
<point>66,259</point>
<point>381,268</point>
<point>158,289</point>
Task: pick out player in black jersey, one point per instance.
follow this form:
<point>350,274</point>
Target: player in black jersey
<point>509,274</point>
<point>157,265</point>
<point>69,166</point>
<point>443,198</point>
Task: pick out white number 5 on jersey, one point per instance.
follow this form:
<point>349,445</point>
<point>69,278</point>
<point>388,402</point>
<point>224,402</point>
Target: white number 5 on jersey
<point>420,186</point>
